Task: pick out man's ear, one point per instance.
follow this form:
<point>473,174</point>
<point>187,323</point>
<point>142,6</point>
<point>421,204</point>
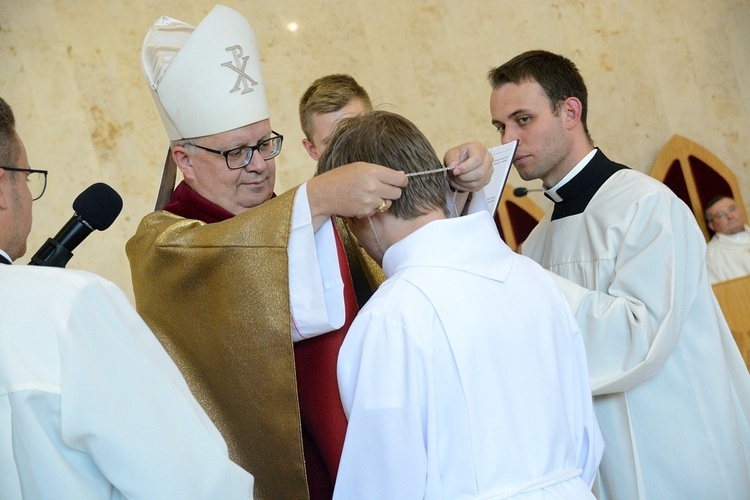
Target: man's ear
<point>310,148</point>
<point>5,189</point>
<point>572,110</point>
<point>710,225</point>
<point>182,160</point>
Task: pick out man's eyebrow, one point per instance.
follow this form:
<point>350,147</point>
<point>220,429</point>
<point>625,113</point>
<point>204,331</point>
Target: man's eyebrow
<point>246,145</point>
<point>512,116</point>
<point>519,112</point>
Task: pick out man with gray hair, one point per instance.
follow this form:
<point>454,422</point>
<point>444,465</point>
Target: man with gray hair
<point>447,391</point>
<point>228,275</point>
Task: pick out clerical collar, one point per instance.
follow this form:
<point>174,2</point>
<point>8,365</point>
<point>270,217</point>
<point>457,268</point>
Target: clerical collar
<point>740,237</point>
<point>575,193</point>
<point>552,192</point>
<point>5,257</point>
<point>185,202</point>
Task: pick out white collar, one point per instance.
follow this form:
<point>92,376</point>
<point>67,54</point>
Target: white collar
<point>740,237</point>
<point>5,254</point>
<point>552,192</point>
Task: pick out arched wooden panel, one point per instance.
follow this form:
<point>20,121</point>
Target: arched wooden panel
<point>675,179</point>
<point>695,175</point>
<point>516,217</point>
<point>710,183</point>
<point>734,299</point>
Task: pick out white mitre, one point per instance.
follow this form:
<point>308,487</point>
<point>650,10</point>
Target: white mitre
<point>205,80</point>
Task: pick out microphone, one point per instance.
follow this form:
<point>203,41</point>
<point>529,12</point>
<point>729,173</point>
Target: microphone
<point>96,208</point>
<point>522,191</point>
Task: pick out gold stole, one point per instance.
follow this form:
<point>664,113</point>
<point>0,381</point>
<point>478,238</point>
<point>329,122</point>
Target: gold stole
<point>217,297</point>
<point>359,260</point>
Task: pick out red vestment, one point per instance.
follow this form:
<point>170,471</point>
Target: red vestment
<point>322,416</point>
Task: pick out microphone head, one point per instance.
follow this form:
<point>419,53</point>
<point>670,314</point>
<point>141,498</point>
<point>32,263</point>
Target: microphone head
<point>99,205</point>
<point>520,191</point>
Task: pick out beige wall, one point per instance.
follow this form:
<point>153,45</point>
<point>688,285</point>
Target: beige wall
<point>654,68</point>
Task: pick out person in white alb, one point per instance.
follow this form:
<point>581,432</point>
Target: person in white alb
<point>91,406</point>
<point>464,376</point>
<point>671,391</point>
<point>728,250</point>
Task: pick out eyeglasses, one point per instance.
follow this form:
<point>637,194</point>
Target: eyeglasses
<point>720,215</point>
<point>240,157</point>
<point>37,180</point>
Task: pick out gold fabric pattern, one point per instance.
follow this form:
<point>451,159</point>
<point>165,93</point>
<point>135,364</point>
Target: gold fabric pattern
<point>356,255</point>
<point>217,297</point>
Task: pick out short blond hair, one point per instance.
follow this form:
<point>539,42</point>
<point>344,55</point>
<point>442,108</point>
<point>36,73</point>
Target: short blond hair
<point>329,94</point>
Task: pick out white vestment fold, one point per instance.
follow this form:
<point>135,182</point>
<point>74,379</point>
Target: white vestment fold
<point>464,376</point>
<point>91,406</point>
<point>728,256</point>
<point>672,394</point>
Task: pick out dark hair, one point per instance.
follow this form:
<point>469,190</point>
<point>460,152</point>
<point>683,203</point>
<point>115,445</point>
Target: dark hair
<point>392,141</point>
<point>558,76</point>
<point>9,147</point>
<point>713,202</point>
<point>328,94</point>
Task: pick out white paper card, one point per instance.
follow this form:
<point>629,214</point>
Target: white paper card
<point>502,161</point>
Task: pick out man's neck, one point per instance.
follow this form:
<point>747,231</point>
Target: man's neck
<point>395,230</point>
<point>579,149</point>
<point>551,192</point>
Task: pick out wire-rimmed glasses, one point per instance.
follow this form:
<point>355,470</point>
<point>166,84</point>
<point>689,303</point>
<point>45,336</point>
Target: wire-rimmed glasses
<point>37,180</point>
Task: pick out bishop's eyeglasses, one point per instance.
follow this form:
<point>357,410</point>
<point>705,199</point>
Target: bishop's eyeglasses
<point>37,180</point>
<point>239,157</point>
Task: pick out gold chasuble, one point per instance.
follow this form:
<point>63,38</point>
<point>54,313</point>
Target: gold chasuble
<point>217,297</point>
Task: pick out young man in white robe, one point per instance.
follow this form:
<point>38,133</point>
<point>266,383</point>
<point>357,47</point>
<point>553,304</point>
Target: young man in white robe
<point>464,376</point>
<point>671,392</point>
<point>728,251</point>
<point>91,405</point>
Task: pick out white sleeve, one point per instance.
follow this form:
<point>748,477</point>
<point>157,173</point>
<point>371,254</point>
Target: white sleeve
<point>631,327</point>
<point>125,404</point>
<point>316,289</point>
<point>382,391</point>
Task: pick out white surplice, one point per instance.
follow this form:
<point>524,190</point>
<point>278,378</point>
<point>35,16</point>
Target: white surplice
<point>464,376</point>
<point>728,256</point>
<point>672,394</point>
<point>91,406</point>
<point>317,304</point>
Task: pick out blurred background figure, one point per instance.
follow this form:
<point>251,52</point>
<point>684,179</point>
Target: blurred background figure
<point>728,251</point>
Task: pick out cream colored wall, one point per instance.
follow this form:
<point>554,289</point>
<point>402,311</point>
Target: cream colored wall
<point>654,68</point>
